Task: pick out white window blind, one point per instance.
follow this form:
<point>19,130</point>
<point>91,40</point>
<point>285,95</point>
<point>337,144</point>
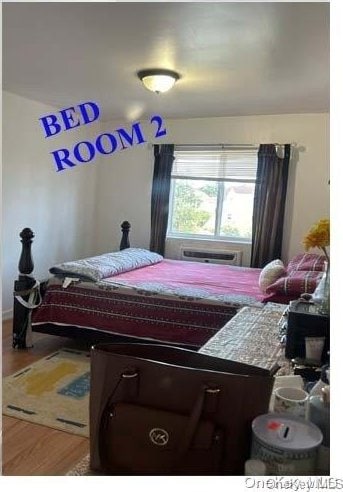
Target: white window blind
<point>216,164</point>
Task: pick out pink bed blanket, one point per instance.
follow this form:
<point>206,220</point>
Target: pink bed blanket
<point>203,280</point>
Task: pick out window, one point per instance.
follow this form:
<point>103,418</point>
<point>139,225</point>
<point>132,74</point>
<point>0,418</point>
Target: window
<point>212,192</point>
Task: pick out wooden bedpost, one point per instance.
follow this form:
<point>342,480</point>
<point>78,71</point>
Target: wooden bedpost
<point>125,242</point>
<point>24,283</point>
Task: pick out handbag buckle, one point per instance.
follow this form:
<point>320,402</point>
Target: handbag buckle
<point>212,390</point>
<point>128,376</point>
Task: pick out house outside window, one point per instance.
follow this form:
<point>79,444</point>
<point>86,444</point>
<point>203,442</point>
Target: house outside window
<point>212,192</point>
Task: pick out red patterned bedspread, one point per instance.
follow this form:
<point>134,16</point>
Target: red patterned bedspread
<point>171,301</point>
<point>123,311</point>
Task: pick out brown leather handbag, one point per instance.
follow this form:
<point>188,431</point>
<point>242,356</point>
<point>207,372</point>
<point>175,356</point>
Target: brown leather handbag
<point>162,410</point>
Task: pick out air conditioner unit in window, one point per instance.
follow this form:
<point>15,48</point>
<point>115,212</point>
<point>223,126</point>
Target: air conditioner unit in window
<point>215,256</point>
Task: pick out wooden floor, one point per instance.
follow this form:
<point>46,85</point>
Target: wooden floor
<point>30,449</point>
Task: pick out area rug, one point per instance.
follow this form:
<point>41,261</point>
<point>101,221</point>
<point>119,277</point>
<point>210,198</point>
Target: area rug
<point>82,468</point>
<point>53,391</point>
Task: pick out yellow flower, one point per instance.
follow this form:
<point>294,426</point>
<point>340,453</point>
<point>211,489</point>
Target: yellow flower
<point>318,236</point>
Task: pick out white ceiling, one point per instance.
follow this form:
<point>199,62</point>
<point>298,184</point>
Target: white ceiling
<point>234,58</point>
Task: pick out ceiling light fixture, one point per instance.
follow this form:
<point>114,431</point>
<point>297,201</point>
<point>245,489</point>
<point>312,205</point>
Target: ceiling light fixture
<point>158,80</point>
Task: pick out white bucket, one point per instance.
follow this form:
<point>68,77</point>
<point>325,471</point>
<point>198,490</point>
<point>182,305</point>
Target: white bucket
<point>288,445</point>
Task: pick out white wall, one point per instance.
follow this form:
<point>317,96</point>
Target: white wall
<point>123,193</point>
<point>58,207</point>
<point>124,178</point>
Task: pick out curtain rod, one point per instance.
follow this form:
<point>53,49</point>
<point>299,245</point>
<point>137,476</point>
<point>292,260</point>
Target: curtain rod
<point>215,145</point>
<point>292,144</point>
<point>280,148</point>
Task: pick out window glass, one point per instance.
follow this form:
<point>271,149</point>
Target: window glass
<point>212,193</point>
<point>194,206</point>
<point>236,216</point>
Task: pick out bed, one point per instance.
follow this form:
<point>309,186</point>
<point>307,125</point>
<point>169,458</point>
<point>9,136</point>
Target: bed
<point>135,295</point>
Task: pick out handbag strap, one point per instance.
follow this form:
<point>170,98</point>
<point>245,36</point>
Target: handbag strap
<point>129,382</point>
<point>195,417</point>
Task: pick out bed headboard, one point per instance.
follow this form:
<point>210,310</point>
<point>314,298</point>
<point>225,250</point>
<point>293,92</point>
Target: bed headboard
<point>26,283</point>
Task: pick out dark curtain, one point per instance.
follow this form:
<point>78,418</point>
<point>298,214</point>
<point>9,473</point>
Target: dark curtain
<point>269,205</point>
<point>164,157</point>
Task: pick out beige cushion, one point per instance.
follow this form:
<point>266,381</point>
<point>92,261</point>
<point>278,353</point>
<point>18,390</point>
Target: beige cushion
<point>270,273</point>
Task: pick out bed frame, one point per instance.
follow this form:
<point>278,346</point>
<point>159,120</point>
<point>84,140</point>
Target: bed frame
<point>26,286</point>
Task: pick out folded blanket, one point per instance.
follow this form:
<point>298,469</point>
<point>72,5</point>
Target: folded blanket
<point>99,267</point>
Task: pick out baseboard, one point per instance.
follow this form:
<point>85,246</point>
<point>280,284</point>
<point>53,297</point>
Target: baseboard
<point>8,314</point>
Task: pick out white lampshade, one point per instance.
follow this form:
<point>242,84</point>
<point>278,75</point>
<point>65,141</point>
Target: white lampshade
<point>158,80</point>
